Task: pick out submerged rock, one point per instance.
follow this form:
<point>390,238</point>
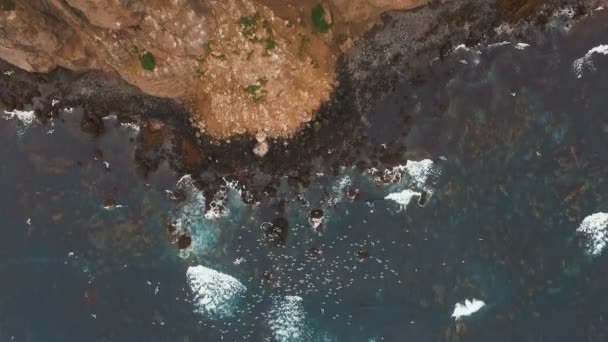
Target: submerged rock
<point>277,231</point>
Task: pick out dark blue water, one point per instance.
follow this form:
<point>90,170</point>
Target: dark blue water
<point>518,144</point>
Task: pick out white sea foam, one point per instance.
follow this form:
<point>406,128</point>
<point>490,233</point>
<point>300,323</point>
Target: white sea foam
<point>409,180</point>
<point>495,45</point>
<point>184,181</point>
<point>287,320</point>
<point>595,229</point>
<point>568,12</point>
<point>403,197</point>
<point>190,219</point>
<point>25,117</point>
<point>522,46</point>
<point>586,62</point>
<point>131,126</point>
<point>216,295</point>
<point>467,308</point>
<point>469,55</point>
<point>114,206</point>
<point>219,206</point>
<point>420,171</point>
<point>338,188</point>
<point>414,173</point>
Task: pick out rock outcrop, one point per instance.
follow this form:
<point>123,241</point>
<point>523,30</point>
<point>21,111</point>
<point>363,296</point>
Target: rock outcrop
<point>239,66</point>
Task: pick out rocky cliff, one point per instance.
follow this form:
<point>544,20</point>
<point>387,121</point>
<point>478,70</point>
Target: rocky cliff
<point>261,67</point>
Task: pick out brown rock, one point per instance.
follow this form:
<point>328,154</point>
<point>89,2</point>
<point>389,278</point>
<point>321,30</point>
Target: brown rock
<point>239,66</point>
<point>184,241</point>
<point>9,103</point>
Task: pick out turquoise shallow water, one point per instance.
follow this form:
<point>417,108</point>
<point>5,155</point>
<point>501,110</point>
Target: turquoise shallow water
<point>518,144</point>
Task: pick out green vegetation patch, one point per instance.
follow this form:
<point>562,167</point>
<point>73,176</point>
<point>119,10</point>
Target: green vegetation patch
<point>252,89</point>
<point>318,19</point>
<point>249,24</point>
<point>8,5</point>
<point>147,61</point>
<point>270,43</point>
<point>257,91</point>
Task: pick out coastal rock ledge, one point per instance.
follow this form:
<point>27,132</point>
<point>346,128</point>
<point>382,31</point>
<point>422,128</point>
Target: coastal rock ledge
<point>238,66</point>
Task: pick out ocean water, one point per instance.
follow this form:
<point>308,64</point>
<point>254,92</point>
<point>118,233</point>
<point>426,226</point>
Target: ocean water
<point>495,229</point>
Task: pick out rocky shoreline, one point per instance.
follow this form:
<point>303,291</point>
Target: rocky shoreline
<point>347,130</point>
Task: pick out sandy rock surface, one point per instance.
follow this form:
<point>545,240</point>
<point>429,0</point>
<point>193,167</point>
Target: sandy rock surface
<point>239,66</point>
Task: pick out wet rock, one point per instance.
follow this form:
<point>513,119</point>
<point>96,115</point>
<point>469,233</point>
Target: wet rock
<point>98,154</point>
<point>315,218</point>
<point>351,193</point>
<point>179,195</point>
<point>362,254</point>
<point>423,199</point>
<point>362,165</point>
<point>270,191</point>
<point>8,102</point>
<point>109,203</point>
<point>278,231</point>
<point>192,156</point>
<point>92,124</point>
<point>316,214</point>
<point>149,153</point>
<point>294,181</point>
<point>171,228</point>
<point>90,295</point>
<point>261,149</point>
<point>184,241</point>
<point>154,125</point>
<point>250,197</point>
